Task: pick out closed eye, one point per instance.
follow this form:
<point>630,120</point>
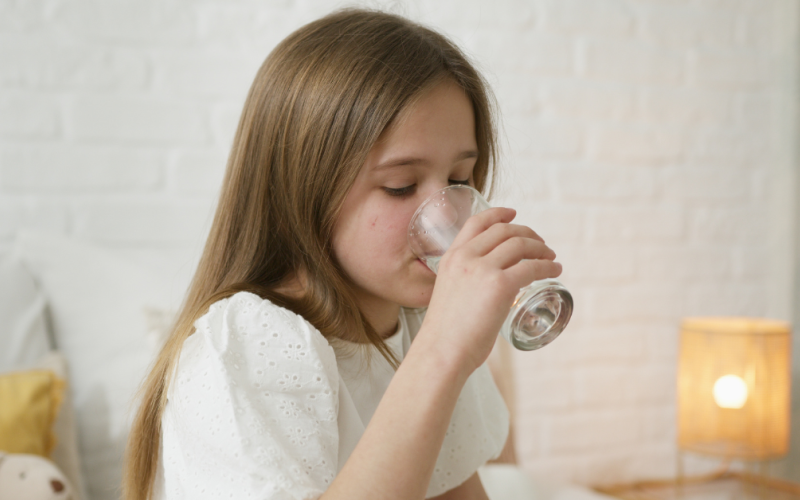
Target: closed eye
<point>407,190</point>
<point>403,191</point>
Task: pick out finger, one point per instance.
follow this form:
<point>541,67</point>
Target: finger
<point>526,271</point>
<point>482,221</point>
<point>515,249</point>
<point>500,232</point>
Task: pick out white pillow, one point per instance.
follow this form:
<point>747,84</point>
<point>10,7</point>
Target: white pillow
<point>25,344</point>
<point>23,328</point>
<point>97,302</point>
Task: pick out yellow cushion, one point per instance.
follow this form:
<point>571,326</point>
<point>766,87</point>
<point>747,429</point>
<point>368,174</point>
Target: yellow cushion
<point>29,403</point>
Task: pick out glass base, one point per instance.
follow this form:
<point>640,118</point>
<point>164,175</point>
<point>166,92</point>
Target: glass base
<point>540,313</point>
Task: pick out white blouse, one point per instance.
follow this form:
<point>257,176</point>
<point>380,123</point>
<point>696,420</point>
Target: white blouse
<point>263,406</point>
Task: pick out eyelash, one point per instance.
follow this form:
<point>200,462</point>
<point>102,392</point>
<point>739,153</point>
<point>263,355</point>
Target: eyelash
<point>404,191</point>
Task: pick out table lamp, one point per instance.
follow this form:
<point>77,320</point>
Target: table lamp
<point>733,404</point>
<point>734,388</point>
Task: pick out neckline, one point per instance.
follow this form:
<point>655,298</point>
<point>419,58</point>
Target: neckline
<point>391,339</point>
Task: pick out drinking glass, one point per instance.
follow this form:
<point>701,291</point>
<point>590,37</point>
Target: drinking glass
<point>540,311</point>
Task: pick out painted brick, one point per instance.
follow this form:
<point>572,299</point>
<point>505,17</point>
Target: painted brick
<point>756,110</point>
<point>27,116</point>
<point>542,390</point>
<point>545,140</point>
<point>31,62</point>
<point>537,55</point>
<point>520,179</point>
<point>137,120</point>
<point>759,19</point>
<point>729,69</point>
<point>643,224</point>
<point>611,465</point>
<point>653,384</point>
<point>141,22</point>
<point>601,346</point>
<point>63,168</point>
<point>662,339</point>
<point>518,16</point>
<point>598,264</point>
<point>656,301</point>
<point>727,299</point>
<point>710,184</point>
<point>224,120</point>
<point>687,107</point>
<point>204,74</point>
<point>598,184</point>
<point>635,145</point>
<point>137,220</point>
<point>684,264</point>
<point>556,226</point>
<point>196,172</point>
<point>740,225</point>
<point>629,62</point>
<point>606,17</point>
<point>592,431</point>
<point>604,386</point>
<point>565,353</point>
<point>588,101</point>
<point>660,424</point>
<point>26,213</point>
<point>726,148</point>
<point>749,262</point>
<point>255,27</point>
<point>529,437</point>
<point>517,89</point>
<point>684,27</point>
<point>21,17</point>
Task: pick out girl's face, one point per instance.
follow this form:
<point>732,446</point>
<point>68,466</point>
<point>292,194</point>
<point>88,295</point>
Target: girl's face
<point>432,145</point>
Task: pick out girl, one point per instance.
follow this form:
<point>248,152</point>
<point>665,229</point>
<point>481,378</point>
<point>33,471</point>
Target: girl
<point>282,377</point>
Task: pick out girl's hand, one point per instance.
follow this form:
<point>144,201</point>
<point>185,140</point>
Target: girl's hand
<point>479,278</point>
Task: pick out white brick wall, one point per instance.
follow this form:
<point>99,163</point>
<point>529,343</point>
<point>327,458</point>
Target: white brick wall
<point>647,141</point>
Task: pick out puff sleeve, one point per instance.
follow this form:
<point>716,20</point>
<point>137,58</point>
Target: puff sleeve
<point>252,408</point>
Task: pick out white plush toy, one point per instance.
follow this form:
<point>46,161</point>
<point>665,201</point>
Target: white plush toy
<point>31,477</point>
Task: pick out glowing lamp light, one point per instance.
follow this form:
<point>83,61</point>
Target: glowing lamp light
<point>730,391</point>
<point>734,387</point>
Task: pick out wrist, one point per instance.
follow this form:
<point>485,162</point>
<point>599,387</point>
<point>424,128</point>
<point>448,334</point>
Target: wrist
<point>447,359</point>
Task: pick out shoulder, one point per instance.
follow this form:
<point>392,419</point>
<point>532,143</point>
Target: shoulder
<point>245,320</point>
<point>256,388</point>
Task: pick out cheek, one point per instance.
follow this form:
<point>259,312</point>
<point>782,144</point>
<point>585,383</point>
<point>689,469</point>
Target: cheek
<point>385,234</point>
<point>391,223</point>
<point>371,236</point>
<point>394,227</point>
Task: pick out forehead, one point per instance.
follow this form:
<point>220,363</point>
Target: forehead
<point>441,118</point>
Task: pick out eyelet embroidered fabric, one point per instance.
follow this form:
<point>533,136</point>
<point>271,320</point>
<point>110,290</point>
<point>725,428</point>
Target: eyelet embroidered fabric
<point>261,406</point>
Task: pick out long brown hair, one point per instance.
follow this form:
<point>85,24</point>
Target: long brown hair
<point>317,106</point>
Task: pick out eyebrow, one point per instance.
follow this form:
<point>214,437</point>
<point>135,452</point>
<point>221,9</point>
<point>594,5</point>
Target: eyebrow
<point>413,160</point>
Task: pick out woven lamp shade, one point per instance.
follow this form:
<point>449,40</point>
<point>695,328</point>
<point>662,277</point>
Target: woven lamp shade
<point>734,387</point>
